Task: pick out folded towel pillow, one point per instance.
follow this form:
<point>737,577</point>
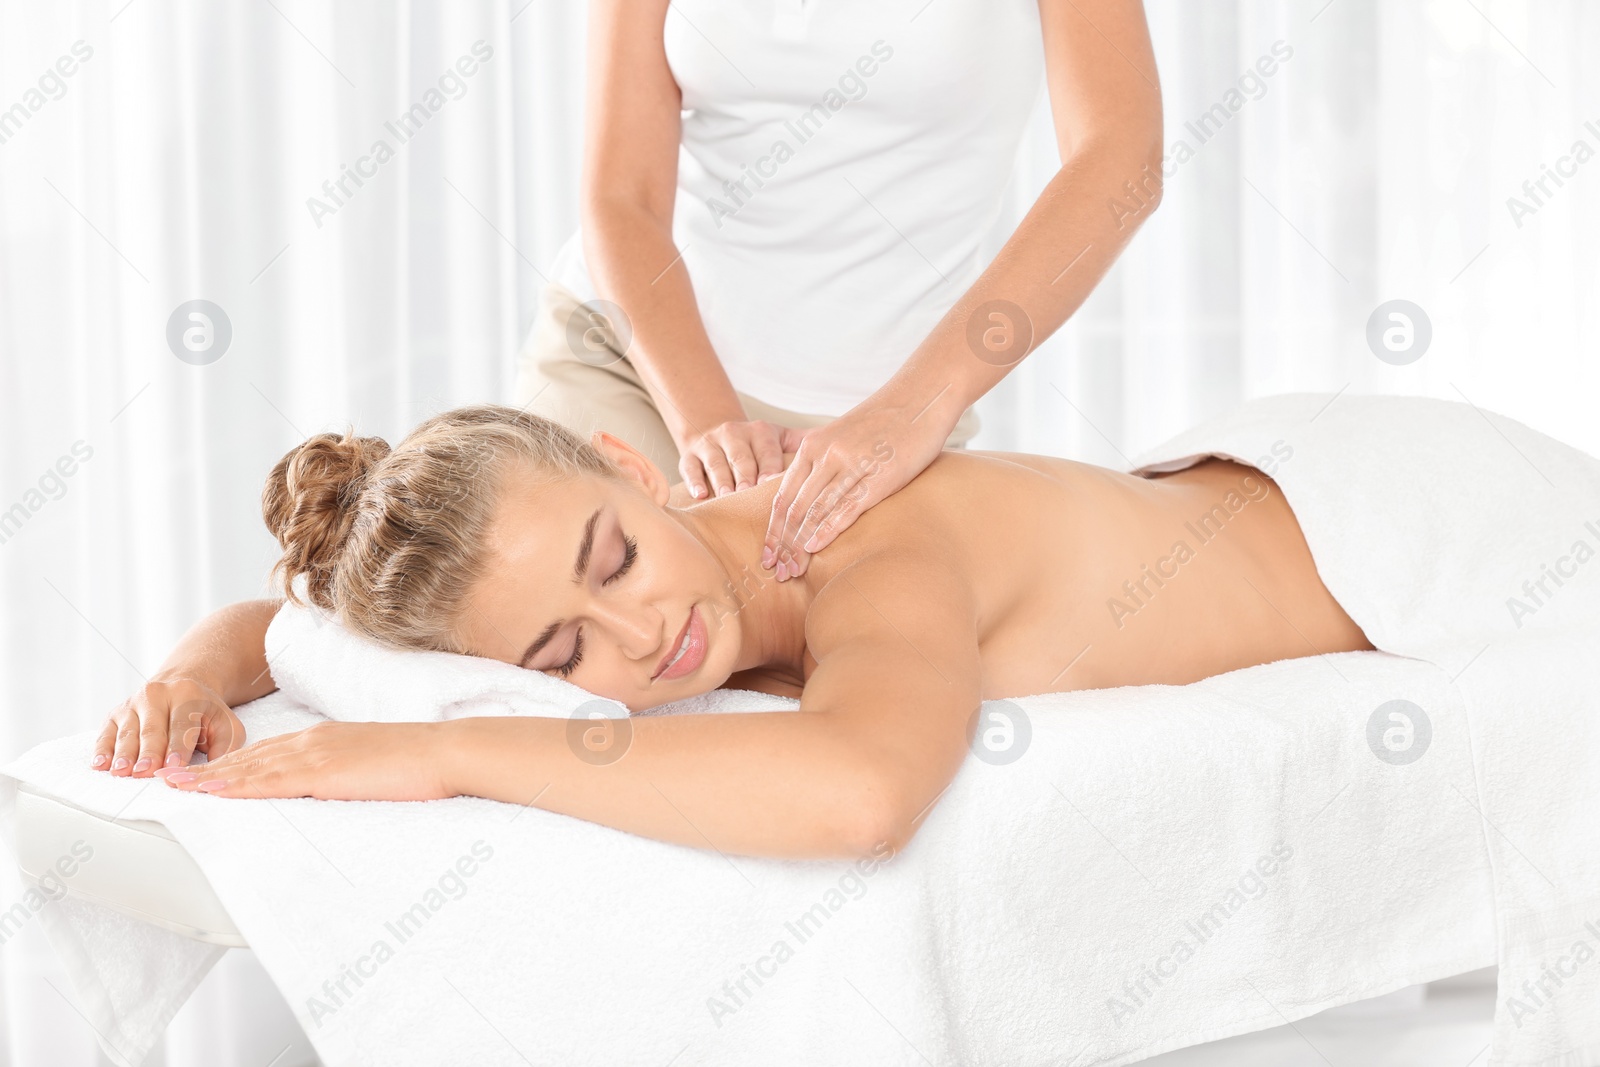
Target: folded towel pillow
<point>329,668</point>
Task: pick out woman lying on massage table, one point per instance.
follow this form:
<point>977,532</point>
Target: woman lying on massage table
<point>495,533</point>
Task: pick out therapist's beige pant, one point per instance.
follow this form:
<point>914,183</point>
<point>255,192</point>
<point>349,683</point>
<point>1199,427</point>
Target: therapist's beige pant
<point>563,375</point>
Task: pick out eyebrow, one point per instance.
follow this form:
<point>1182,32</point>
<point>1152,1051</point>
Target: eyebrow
<point>580,568</point>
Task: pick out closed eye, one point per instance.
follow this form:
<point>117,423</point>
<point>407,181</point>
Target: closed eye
<point>571,665</point>
<point>630,552</point>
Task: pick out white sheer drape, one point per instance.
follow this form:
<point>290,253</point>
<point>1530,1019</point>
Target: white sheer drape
<point>178,159</point>
<point>177,164</point>
<point>1375,165</point>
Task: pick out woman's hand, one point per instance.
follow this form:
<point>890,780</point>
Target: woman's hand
<point>330,761</point>
<point>163,725</point>
<point>734,455</point>
<point>839,472</point>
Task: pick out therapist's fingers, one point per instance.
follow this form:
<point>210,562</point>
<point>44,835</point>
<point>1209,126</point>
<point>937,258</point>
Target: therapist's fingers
<point>767,443</point>
<point>839,520</point>
<point>741,460</point>
<point>836,507</point>
<point>782,502</point>
<point>812,503</point>
<point>824,490</point>
<point>694,474</point>
<point>717,470</point>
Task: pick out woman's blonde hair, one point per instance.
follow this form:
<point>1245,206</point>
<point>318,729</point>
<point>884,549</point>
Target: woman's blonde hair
<point>389,541</point>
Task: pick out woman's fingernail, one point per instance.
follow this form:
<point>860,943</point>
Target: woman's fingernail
<point>143,765</point>
<point>696,492</point>
<point>766,557</point>
<point>213,785</point>
<point>174,760</point>
<point>177,777</point>
<point>99,761</point>
<point>783,571</point>
<point>811,544</point>
<point>119,764</point>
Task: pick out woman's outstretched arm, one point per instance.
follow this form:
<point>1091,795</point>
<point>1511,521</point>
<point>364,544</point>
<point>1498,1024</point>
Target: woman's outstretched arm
<point>881,730</point>
<point>186,706</point>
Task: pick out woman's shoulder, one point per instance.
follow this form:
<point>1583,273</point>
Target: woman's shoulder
<point>931,535</point>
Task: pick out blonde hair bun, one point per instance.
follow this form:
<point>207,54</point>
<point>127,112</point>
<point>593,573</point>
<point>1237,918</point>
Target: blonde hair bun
<point>309,504</point>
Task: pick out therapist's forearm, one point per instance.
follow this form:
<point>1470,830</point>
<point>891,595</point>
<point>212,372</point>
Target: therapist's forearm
<point>765,783</point>
<point>636,265</point>
<point>1054,259</point>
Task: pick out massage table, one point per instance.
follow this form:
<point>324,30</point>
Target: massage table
<point>145,873</point>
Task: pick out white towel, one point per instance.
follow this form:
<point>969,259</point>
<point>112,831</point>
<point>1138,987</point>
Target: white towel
<point>1468,540</point>
<point>1164,866</point>
<point>1036,918</point>
<point>346,676</point>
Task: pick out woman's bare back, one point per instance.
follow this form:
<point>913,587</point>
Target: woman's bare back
<point>1089,578</point>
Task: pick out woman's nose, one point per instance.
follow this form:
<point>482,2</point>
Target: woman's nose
<point>636,628</point>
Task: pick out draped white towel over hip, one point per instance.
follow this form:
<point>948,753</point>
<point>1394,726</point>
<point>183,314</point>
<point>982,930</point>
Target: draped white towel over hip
<point>842,162</point>
<point>1467,540</point>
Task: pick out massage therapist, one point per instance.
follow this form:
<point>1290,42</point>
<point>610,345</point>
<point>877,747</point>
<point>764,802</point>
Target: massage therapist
<point>782,210</point>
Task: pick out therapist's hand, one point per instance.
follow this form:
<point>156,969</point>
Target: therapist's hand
<point>734,455</point>
<point>331,761</point>
<point>840,471</point>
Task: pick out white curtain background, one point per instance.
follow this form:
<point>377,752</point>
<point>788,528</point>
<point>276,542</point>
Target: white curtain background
<point>176,162</point>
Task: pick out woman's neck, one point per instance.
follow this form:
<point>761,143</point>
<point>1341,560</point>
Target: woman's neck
<point>769,615</point>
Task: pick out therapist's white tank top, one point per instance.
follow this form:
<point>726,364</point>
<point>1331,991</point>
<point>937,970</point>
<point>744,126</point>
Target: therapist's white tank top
<point>842,162</point>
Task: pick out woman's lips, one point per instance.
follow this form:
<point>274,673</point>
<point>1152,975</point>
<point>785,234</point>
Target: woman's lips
<point>693,655</point>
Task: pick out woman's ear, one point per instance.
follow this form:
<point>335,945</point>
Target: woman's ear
<point>634,464</point>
